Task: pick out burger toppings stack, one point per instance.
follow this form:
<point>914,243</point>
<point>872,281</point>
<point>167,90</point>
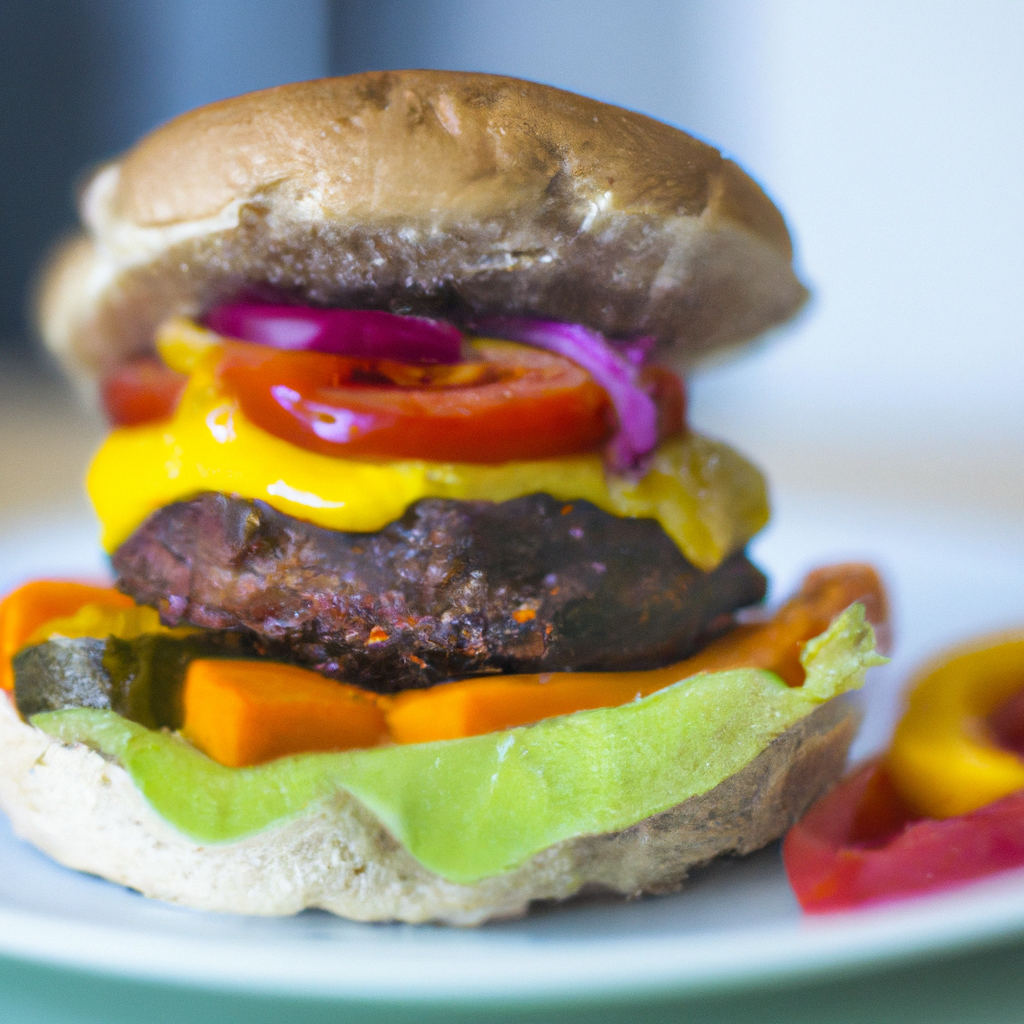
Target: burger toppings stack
<point>429,603</point>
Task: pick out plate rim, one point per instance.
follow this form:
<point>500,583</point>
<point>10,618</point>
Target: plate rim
<point>599,968</point>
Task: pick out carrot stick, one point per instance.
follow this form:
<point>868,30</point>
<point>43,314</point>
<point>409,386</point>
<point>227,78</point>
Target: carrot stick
<point>247,712</point>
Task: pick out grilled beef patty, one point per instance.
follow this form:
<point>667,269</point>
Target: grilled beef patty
<point>453,588</point>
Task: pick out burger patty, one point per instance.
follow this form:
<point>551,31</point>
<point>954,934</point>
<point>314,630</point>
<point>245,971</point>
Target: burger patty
<point>453,588</point>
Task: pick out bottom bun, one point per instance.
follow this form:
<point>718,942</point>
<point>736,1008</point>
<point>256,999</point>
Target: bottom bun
<point>85,812</point>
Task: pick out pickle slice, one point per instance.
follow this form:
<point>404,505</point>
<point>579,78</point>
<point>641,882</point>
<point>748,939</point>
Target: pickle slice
<point>140,679</point>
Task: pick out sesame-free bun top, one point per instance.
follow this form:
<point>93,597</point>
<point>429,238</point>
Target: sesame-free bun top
<point>434,192</point>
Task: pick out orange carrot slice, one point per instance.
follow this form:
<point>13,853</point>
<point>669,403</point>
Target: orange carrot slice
<point>474,706</point>
<point>776,643</point>
<point>247,712</point>
<point>24,610</point>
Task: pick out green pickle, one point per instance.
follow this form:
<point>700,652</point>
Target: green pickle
<point>140,678</point>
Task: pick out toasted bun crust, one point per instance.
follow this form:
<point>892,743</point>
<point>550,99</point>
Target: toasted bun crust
<point>86,813</point>
<point>431,192</point>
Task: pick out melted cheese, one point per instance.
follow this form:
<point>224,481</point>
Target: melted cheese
<point>708,499</point>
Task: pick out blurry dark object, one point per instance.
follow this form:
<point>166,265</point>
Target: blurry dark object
<point>375,35</point>
<point>48,70</point>
<point>81,81</point>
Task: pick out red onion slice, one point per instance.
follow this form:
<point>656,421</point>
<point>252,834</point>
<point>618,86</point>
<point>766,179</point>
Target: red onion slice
<point>362,333</point>
<point>616,372</point>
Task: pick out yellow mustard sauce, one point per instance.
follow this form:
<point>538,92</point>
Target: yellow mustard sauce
<point>708,499</point>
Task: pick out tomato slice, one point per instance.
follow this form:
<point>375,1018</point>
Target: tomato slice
<point>669,395</point>
<point>141,391</point>
<point>860,845</point>
<point>514,402</point>
<point>1006,725</point>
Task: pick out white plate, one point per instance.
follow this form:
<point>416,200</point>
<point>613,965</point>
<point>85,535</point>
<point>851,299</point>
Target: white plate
<point>735,923</point>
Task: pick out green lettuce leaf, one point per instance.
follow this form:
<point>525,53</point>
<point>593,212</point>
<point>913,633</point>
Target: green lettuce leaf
<point>477,807</point>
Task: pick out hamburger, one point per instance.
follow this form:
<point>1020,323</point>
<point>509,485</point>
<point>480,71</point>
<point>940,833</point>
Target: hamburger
<point>429,602</point>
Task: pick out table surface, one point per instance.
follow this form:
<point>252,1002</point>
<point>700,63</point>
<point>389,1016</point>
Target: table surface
<point>46,437</point>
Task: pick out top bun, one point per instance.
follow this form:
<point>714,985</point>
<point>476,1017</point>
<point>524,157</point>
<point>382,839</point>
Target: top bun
<point>432,192</point>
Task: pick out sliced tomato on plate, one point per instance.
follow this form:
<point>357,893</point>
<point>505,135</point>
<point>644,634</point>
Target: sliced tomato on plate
<point>860,845</point>
<point>507,402</point>
<point>513,402</point>
<point>141,391</point>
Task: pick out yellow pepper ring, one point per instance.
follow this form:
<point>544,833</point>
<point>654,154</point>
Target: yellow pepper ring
<point>943,759</point>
